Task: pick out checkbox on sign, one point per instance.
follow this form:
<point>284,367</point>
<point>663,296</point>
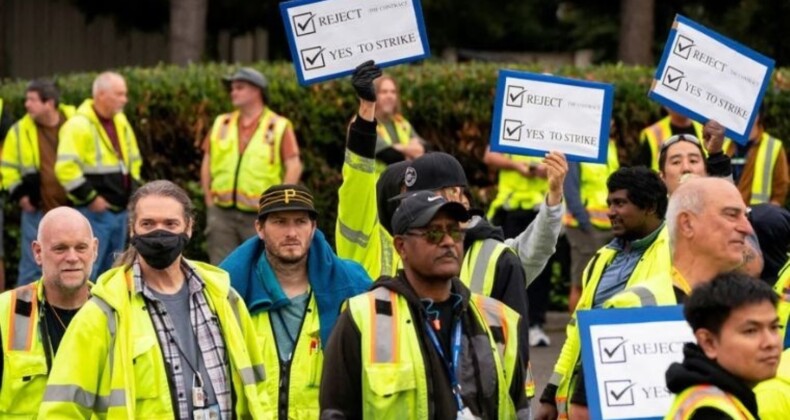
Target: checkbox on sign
<point>304,24</point>
<point>313,58</point>
<point>672,78</point>
<point>683,47</point>
<point>619,393</point>
<point>515,96</point>
<point>511,130</point>
<point>612,350</point>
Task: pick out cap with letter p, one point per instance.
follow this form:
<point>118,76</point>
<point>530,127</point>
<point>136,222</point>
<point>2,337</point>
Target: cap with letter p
<point>417,209</point>
<point>286,197</point>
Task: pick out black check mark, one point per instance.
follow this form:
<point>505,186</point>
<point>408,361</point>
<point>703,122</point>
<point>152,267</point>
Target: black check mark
<point>614,350</point>
<point>303,26</point>
<point>618,395</point>
<point>510,132</point>
<point>315,57</point>
<point>514,98</point>
<point>681,47</point>
<point>672,80</point>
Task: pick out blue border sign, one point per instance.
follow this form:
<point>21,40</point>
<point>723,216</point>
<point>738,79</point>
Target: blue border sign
<point>565,103</point>
<point>663,71</point>
<point>380,58</point>
<point>589,318</point>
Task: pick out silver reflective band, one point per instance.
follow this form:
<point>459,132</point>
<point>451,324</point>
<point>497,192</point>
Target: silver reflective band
<point>646,297</point>
<point>385,327</point>
<point>247,376</point>
<point>481,265</point>
<point>360,163</point>
<point>91,401</point>
<point>22,322</point>
<point>354,236</point>
<point>555,379</point>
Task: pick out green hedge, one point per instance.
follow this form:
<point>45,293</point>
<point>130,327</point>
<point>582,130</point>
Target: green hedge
<point>450,105</point>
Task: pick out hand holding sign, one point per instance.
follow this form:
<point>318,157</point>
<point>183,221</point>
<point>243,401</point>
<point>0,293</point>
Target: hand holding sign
<point>556,169</point>
<point>713,137</point>
<point>363,78</point>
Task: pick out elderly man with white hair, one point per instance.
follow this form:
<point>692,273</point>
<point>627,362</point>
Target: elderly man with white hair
<point>99,164</point>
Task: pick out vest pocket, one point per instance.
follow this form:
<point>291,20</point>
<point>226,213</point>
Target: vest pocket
<point>146,376</point>
<point>24,380</point>
<point>392,388</point>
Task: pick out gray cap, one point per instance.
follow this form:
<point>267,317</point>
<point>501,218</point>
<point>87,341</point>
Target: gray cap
<point>249,75</point>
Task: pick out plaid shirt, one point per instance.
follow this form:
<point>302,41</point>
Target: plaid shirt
<point>210,343</point>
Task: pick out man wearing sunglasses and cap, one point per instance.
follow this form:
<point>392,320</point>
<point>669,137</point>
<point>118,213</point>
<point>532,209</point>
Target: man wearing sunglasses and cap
<point>420,344</point>
<point>246,152</point>
<point>293,285</point>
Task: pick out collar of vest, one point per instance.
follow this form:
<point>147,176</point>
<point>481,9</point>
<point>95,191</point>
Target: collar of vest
<point>697,369</point>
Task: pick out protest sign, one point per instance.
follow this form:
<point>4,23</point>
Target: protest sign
<point>329,38</point>
<point>625,354</point>
<point>537,113</point>
<point>706,76</point>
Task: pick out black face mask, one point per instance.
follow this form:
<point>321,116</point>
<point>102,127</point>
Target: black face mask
<point>160,248</point>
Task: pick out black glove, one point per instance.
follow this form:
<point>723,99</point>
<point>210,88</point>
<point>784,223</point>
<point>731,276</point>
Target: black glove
<point>362,79</point>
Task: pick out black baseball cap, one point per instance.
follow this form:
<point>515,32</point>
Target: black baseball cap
<point>249,75</point>
<point>417,209</point>
<point>286,197</point>
<point>433,171</point>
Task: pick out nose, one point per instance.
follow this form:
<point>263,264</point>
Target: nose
<point>71,255</point>
<point>744,226</point>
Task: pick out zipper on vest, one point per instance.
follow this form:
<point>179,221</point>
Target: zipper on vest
<point>285,368</point>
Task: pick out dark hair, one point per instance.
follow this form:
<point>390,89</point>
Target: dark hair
<point>710,304</point>
<point>161,188</point>
<point>45,89</point>
<point>644,187</point>
<point>662,155</point>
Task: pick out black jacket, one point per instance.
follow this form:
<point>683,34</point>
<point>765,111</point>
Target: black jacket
<point>697,369</point>
<point>341,383</point>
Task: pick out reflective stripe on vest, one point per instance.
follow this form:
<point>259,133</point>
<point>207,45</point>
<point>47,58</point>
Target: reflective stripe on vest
<point>764,165</point>
<point>24,303</point>
<point>700,396</point>
<point>88,400</point>
<point>479,266</point>
<point>385,344</point>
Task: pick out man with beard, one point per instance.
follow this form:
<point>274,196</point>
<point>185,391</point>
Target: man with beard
<point>637,202</point>
<point>420,344</point>
<point>34,317</point>
<point>162,336</point>
<point>738,346</point>
<point>293,285</point>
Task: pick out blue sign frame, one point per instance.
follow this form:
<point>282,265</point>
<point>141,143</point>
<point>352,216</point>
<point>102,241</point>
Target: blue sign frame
<point>739,48</point>
<point>290,34</point>
<point>588,318</point>
<point>499,101</point>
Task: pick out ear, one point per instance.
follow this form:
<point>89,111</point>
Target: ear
<point>662,176</point>
<point>259,228</point>
<point>188,229</point>
<point>708,342</point>
<point>400,247</point>
<point>685,225</point>
<point>36,247</point>
<point>95,249</point>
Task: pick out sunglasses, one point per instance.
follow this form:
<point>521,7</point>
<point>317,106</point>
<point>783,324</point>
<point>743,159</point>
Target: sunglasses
<point>435,235</point>
<point>680,137</point>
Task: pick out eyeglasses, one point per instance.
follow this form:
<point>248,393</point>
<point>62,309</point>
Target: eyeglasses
<point>680,137</point>
<point>435,235</point>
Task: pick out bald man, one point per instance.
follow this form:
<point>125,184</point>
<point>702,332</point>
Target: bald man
<point>34,317</point>
<point>99,164</point>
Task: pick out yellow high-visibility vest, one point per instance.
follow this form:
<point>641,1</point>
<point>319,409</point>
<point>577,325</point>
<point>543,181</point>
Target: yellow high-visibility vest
<point>593,190</point>
<point>237,180</point>
<point>768,150</point>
